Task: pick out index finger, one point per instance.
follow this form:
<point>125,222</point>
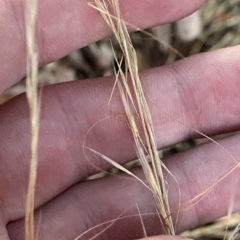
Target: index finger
<point>63,26</point>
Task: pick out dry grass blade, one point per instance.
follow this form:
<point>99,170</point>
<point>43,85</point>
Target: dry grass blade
<point>32,96</point>
<point>148,34</point>
<point>235,233</point>
<point>142,223</point>
<point>217,230</point>
<point>118,166</point>
<point>145,142</point>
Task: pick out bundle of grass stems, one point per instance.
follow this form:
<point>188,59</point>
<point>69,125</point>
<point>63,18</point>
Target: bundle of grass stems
<point>136,110</point>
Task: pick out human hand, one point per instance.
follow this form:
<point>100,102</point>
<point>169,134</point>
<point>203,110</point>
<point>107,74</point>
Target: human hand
<point>202,92</point>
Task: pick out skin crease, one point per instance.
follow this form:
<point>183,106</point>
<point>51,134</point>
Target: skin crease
<point>69,207</point>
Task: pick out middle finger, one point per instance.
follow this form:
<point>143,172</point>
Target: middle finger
<point>193,90</point>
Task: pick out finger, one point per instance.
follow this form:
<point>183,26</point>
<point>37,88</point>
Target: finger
<point>91,203</point>
<point>194,91</point>
<point>64,26</point>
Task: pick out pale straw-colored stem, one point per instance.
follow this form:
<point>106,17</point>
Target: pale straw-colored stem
<point>134,101</point>
<point>32,96</point>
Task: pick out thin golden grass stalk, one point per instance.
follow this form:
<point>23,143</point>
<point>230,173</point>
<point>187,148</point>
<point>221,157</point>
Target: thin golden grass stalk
<point>120,217</point>
<point>142,223</point>
<point>118,166</point>
<point>110,223</point>
<point>235,233</point>
<point>146,33</point>
<point>146,145</point>
<point>217,229</point>
<point>32,96</point>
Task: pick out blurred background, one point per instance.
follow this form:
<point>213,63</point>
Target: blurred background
<point>216,25</point>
